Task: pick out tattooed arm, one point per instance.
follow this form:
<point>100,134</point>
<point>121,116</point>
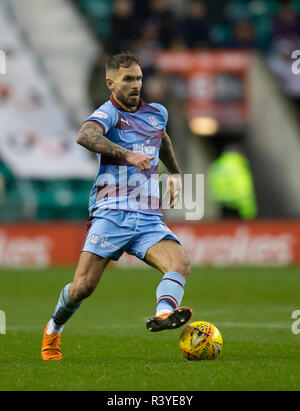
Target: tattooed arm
<point>174,183</point>
<point>91,137</point>
<point>167,156</point>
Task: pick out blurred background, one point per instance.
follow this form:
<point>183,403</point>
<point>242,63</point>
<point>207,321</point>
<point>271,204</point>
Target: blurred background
<point>224,71</point>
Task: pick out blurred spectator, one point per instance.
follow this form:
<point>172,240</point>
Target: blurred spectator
<point>235,10</point>
<point>195,26</point>
<point>124,27</point>
<point>141,8</point>
<point>196,23</point>
<point>98,91</point>
<point>162,16</point>
<point>243,35</point>
<point>231,185</point>
<point>146,47</point>
<point>286,23</point>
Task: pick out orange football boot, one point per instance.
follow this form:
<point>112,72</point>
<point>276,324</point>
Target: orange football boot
<point>176,318</point>
<point>51,346</point>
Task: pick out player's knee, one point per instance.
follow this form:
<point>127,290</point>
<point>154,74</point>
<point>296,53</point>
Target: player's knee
<point>82,290</point>
<point>186,267</point>
<point>183,266</point>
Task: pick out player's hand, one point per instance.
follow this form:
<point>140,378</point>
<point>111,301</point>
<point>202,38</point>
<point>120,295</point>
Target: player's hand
<point>141,161</point>
<point>174,188</point>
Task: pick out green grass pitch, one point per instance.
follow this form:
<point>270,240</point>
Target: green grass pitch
<point>107,347</point>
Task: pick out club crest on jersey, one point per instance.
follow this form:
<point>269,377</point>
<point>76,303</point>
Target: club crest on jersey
<point>153,121</point>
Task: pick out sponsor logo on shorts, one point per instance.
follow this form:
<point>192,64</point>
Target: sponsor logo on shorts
<point>94,239</point>
<point>104,243</point>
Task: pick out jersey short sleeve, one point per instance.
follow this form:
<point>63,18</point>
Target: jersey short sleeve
<point>106,116</point>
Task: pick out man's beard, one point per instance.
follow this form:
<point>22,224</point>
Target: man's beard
<point>128,102</point>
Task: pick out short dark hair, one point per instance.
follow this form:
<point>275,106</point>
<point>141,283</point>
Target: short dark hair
<point>122,60</point>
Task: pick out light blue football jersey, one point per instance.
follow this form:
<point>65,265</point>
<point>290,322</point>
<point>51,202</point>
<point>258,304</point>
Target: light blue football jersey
<point>119,185</point>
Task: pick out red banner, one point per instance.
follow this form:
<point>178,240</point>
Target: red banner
<point>247,244</point>
<point>40,244</point>
<point>259,243</point>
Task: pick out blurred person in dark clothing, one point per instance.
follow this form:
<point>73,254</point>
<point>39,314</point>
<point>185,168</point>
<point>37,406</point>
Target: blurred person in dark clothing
<point>98,92</point>
<point>124,26</point>
<point>286,23</point>
<point>194,27</point>
<point>141,8</point>
<point>146,46</point>
<point>161,15</point>
<point>243,35</point>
